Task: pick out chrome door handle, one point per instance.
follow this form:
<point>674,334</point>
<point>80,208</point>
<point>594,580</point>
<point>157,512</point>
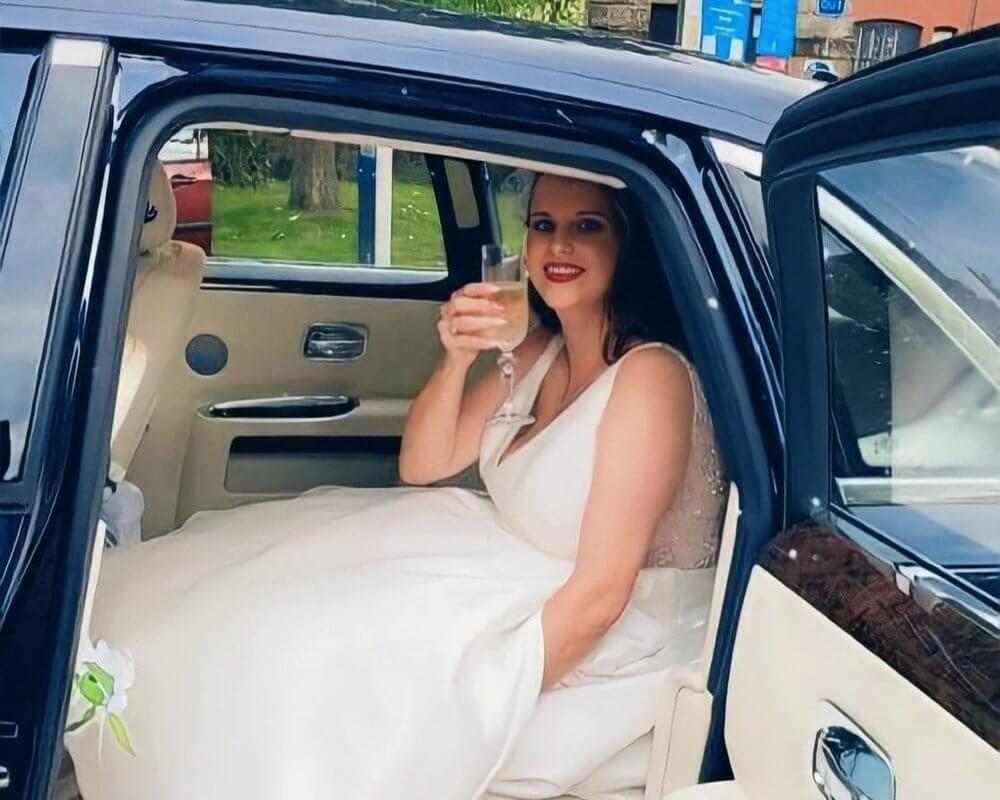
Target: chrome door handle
<point>337,341</point>
<point>314,408</point>
<point>848,767</point>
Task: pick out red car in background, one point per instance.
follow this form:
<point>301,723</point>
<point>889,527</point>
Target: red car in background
<point>185,158</point>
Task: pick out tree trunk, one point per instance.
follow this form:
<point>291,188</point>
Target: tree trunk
<point>629,17</point>
<point>313,182</point>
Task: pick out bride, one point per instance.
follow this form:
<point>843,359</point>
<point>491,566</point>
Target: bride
<point>437,642</point>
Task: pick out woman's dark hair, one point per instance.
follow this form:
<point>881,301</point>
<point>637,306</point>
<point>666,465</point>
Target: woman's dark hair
<point>640,307</point>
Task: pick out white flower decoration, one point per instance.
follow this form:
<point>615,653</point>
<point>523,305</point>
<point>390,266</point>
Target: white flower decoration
<point>103,677</point>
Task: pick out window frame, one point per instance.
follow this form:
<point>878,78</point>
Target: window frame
<point>222,268</point>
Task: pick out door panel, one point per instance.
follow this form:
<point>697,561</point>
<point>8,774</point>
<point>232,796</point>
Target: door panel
<point>865,665</point>
<point>190,460</point>
<point>791,663</point>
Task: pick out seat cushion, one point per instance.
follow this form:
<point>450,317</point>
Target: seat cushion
<point>722,790</point>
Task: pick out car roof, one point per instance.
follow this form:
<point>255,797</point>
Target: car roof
<point>731,99</point>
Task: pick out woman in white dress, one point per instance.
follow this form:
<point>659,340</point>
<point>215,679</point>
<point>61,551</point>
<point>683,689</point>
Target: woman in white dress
<point>434,642</point>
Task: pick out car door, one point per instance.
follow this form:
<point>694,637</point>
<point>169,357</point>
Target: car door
<point>53,136</point>
<point>867,658</point>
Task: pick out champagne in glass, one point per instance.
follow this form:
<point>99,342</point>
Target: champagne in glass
<point>511,277</point>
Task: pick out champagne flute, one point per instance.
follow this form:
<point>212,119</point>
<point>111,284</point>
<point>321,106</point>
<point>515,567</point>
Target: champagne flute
<point>510,276</point>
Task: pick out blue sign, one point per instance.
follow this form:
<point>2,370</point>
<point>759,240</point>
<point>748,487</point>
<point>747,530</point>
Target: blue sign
<point>777,28</point>
<point>725,28</point>
<point>830,8</point>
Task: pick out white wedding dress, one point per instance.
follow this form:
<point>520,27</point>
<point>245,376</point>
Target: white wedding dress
<point>387,643</point>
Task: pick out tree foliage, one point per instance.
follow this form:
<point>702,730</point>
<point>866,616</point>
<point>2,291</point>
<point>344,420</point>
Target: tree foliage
<point>558,12</point>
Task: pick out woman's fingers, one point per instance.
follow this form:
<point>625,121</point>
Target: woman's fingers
<point>473,324</point>
<point>464,304</point>
<point>476,290</point>
<point>474,343</point>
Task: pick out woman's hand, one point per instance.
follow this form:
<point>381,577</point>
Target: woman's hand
<point>466,322</point>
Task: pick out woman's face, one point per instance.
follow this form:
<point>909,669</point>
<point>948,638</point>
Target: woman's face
<point>572,244</point>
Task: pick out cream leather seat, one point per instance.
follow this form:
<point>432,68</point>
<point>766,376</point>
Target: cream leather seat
<point>168,274</point>
<point>724,790</point>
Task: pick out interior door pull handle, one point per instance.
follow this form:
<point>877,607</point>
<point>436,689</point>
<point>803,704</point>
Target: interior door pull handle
<point>335,342</point>
<point>848,767</point>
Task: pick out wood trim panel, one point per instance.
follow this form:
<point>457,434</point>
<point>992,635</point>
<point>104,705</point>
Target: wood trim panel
<point>949,657</point>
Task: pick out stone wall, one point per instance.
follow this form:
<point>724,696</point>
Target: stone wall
<point>829,38</point>
<point>620,16</point>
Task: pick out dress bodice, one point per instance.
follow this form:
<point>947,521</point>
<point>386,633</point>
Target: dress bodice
<point>541,488</point>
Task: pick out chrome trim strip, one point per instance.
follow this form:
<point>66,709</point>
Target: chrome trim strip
<point>949,316</point>
<point>249,269</point>
<point>66,52</point>
<point>212,410</point>
<point>929,591</point>
<point>910,491</point>
<point>738,155</point>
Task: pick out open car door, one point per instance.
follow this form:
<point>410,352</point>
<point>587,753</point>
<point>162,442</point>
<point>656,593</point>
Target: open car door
<point>867,660</point>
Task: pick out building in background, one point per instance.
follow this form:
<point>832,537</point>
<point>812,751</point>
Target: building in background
<point>808,38</point>
<point>870,31</point>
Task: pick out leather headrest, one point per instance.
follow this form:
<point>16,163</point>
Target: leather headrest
<point>161,212</point>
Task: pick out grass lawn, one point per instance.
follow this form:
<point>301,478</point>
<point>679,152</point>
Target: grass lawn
<point>256,223</point>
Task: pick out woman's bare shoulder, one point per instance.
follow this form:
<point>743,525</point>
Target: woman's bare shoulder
<point>654,377</point>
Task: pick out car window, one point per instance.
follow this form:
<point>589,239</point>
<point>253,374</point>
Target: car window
<point>16,71</point>
<point>913,301</point>
<point>283,197</point>
<point>511,194</point>
<point>748,191</point>
<point>15,77</point>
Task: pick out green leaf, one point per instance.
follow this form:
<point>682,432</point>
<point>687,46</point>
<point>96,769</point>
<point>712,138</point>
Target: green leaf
<point>105,678</point>
<point>120,732</point>
<point>88,715</point>
<point>91,690</point>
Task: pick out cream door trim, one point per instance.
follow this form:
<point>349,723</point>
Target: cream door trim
<point>791,664</point>
<point>685,706</point>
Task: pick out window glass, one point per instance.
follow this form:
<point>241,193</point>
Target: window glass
<point>914,326</point>
<point>416,225</point>
<point>15,77</point>
<point>16,359</point>
<point>511,195</point>
<point>748,192</point>
<point>279,198</point>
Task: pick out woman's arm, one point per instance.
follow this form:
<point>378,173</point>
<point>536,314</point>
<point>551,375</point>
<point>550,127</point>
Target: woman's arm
<point>642,450</point>
<point>445,423</point>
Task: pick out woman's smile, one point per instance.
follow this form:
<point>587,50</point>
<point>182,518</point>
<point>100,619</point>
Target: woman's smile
<point>562,271</point>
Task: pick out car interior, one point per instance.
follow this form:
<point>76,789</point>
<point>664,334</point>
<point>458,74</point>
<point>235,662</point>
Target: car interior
<point>248,378</point>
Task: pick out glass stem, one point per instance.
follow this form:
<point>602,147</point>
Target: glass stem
<point>506,364</point>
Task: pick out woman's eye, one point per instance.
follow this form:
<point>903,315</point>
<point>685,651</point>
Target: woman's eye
<point>591,225</point>
<point>542,225</point>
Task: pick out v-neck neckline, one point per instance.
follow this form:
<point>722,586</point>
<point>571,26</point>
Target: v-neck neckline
<point>505,453</point>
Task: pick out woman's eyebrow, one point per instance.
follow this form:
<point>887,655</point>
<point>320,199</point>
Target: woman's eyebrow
<point>592,214</point>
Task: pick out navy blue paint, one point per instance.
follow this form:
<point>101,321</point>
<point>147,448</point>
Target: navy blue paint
<point>366,205</point>
<point>42,591</point>
<point>541,61</point>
